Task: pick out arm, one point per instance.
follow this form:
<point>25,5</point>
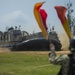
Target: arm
<point>52,55</point>
<point>53,58</point>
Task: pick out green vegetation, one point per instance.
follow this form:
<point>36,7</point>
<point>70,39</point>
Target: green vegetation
<point>15,63</point>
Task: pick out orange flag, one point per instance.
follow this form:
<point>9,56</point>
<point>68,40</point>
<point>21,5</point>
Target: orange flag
<point>61,10</point>
<point>41,16</point>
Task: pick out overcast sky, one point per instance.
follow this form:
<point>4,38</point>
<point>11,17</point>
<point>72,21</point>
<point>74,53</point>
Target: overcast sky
<point>20,12</point>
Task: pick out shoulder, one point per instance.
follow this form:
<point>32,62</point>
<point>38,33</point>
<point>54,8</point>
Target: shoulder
<point>63,57</point>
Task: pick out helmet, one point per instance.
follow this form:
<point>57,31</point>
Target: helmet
<point>72,45</point>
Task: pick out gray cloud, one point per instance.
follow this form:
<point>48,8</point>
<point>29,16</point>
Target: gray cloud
<point>15,17</point>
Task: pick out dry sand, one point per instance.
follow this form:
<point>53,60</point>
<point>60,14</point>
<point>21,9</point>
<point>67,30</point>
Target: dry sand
<point>2,50</point>
<point>6,50</point>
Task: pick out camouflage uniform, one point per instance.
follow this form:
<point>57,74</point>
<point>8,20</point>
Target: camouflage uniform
<point>62,60</point>
<point>67,62</point>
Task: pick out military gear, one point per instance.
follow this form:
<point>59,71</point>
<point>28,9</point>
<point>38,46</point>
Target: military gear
<point>72,45</point>
<point>71,70</point>
<point>62,60</point>
<point>71,65</point>
<point>67,62</point>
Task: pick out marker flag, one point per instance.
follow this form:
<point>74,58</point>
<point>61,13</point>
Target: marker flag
<point>61,10</point>
<point>41,16</point>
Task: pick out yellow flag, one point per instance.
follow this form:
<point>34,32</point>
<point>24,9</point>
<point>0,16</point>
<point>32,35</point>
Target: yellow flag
<point>40,16</point>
